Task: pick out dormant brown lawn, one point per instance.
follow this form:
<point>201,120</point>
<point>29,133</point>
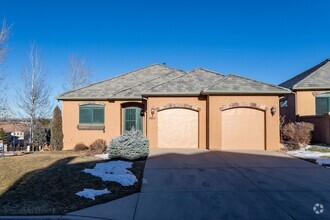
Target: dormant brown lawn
<point>46,183</point>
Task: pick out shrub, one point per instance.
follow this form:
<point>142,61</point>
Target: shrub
<point>98,146</point>
<point>131,145</point>
<point>56,138</point>
<point>80,147</point>
<point>319,149</point>
<point>298,134</point>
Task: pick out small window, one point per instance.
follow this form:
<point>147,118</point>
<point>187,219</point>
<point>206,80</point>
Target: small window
<point>283,103</point>
<point>322,103</point>
<point>91,114</point>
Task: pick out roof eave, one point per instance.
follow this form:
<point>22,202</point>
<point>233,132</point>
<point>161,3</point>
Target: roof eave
<point>96,98</point>
<point>310,88</point>
<point>245,93</point>
<point>171,94</point>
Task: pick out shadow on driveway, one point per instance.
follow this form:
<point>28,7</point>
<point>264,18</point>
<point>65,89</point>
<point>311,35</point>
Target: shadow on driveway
<point>201,184</point>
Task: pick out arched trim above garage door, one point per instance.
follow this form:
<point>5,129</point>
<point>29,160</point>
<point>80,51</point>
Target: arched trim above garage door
<point>244,105</point>
<point>178,105</point>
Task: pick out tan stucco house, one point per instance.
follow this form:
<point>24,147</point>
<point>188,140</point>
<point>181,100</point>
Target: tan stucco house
<point>176,109</point>
<point>310,93</point>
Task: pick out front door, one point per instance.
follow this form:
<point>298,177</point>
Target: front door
<point>133,118</point>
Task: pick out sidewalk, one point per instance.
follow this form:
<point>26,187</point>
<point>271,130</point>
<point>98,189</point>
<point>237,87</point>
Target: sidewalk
<point>123,208</point>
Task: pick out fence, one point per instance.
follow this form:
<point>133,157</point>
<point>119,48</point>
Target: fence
<point>321,123</point>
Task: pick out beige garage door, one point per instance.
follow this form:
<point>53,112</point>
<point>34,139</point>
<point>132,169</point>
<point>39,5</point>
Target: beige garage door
<point>178,128</point>
<point>243,128</point>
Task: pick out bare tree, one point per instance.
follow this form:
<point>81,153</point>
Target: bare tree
<point>78,74</point>
<point>34,99</point>
<point>4,35</point>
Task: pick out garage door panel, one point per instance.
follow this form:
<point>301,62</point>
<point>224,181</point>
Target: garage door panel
<point>243,128</point>
<point>178,128</point>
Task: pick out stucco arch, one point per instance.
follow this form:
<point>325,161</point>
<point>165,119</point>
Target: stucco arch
<point>133,104</point>
<point>244,105</point>
<point>178,105</point>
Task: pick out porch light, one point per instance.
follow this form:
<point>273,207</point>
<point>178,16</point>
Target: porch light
<point>273,110</point>
<point>152,110</point>
<point>142,112</point>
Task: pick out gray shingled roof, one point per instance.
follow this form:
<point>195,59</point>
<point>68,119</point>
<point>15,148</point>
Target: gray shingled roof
<point>162,80</point>
<point>191,83</point>
<point>129,85</point>
<point>233,84</point>
<point>317,77</point>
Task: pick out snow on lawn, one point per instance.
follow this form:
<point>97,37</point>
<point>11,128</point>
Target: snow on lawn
<point>114,171</point>
<point>305,154</point>
<point>91,193</point>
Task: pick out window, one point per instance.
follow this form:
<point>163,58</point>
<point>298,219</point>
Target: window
<point>132,118</point>
<point>283,103</point>
<point>91,114</point>
<point>322,103</point>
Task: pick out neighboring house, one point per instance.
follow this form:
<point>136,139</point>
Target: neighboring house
<point>16,130</point>
<point>311,93</point>
<point>18,134</point>
<point>176,109</point>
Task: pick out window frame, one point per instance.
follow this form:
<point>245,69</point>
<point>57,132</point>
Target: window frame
<point>284,103</point>
<point>139,125</point>
<point>318,98</point>
<point>92,108</point>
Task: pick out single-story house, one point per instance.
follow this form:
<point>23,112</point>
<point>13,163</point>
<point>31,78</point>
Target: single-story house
<point>310,93</point>
<point>176,109</point>
<point>310,100</point>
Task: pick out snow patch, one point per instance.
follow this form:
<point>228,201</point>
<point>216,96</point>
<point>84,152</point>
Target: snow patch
<point>305,154</point>
<point>102,156</point>
<point>91,193</point>
<point>323,161</point>
<point>114,171</point>
<point>314,155</point>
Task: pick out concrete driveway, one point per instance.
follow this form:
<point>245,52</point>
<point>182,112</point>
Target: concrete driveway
<point>202,184</point>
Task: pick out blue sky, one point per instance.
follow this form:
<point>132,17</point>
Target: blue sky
<point>264,40</point>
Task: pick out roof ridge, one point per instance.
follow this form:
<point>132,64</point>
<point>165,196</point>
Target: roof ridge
<point>114,77</point>
<point>217,82</point>
<point>207,70</point>
<point>185,73</point>
<point>173,71</point>
<point>253,80</point>
<point>314,68</point>
<point>320,66</point>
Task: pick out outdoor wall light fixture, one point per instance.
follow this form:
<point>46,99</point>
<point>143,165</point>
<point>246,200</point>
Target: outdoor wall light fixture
<point>152,110</point>
<point>142,112</point>
<point>273,110</point>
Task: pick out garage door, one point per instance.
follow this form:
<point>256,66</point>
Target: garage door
<point>178,128</point>
<point>243,128</point>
